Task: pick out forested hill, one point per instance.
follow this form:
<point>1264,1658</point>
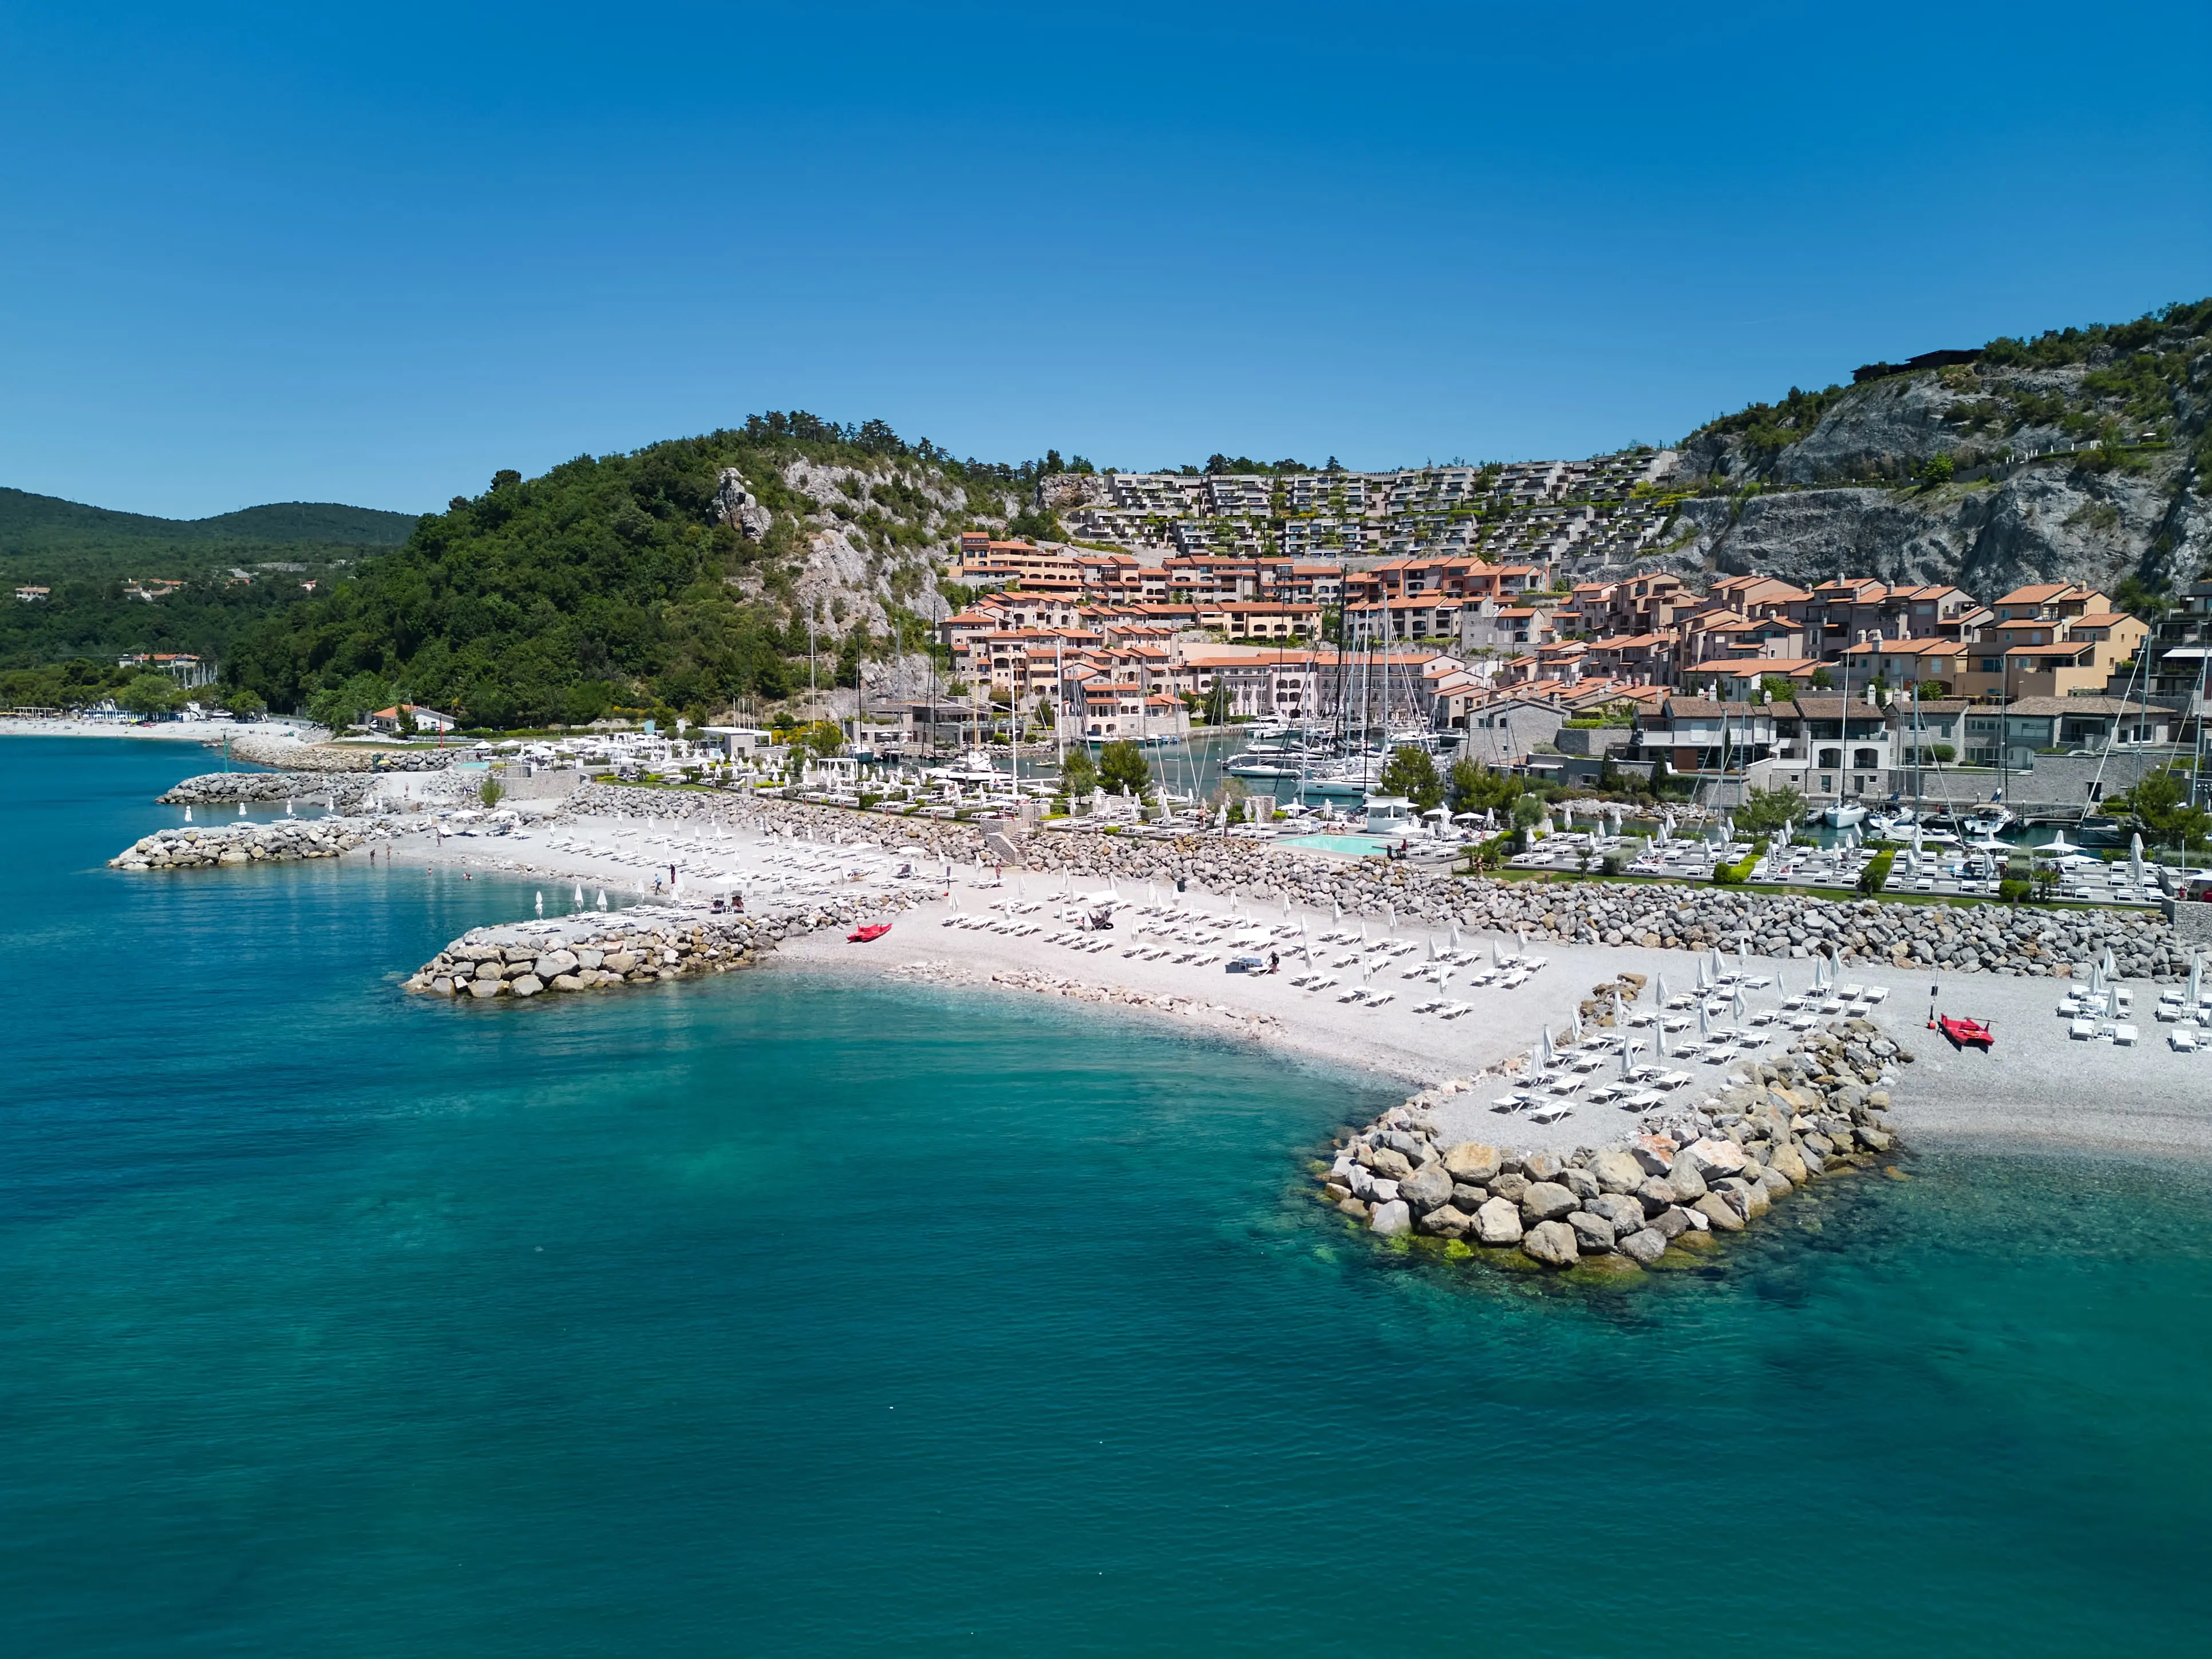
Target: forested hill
<point>46,540</point>
<point>212,577</point>
<point>672,579</point>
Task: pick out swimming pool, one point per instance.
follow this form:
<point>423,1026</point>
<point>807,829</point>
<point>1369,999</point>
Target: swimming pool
<point>1358,845</point>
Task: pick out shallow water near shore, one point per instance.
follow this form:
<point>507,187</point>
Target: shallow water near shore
<point>790,1312</point>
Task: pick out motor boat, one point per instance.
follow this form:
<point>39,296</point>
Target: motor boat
<point>1843,815</point>
<point>1258,764</point>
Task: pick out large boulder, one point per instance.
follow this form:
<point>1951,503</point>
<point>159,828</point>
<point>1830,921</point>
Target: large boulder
<point>1645,1245</point>
<point>1687,1184</point>
<point>1427,1187</point>
<point>528,985</point>
<point>1624,1211</point>
<point>1498,1222</point>
<point>486,988</point>
<point>1719,1212</point>
<point>1657,1193</point>
<point>1552,1243</point>
<point>1546,1200</point>
<point>1511,1187</point>
<point>1543,1166</point>
<point>1593,1233</point>
<point>1579,1182</point>
<point>1391,1219</point>
<point>1445,1222</point>
<point>1389,1163</point>
<point>1616,1171</point>
<point>1783,1160</point>
<point>1473,1163</point>
<point>1714,1160</point>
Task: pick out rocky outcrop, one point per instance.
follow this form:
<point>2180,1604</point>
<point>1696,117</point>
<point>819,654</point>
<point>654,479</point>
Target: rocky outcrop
<point>735,506</point>
<point>199,846</point>
<point>2086,470</point>
<point>2045,521</point>
<point>1816,1111</point>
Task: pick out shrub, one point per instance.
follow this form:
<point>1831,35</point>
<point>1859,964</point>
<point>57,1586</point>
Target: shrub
<point>491,792</point>
<point>1734,875</point>
<point>2012,891</point>
<point>1875,875</point>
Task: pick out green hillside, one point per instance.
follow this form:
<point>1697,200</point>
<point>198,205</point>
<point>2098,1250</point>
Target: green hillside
<point>612,582</point>
<point>46,540</point>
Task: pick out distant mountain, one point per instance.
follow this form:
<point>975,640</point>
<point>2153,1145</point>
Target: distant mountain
<point>44,538</point>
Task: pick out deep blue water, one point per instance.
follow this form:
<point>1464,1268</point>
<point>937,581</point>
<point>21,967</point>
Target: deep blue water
<point>775,1315</point>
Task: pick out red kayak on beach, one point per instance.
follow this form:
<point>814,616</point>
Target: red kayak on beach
<point>1966,1032</point>
<point>873,931</point>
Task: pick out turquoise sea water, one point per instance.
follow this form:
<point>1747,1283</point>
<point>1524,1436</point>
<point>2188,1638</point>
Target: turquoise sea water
<point>780,1314</point>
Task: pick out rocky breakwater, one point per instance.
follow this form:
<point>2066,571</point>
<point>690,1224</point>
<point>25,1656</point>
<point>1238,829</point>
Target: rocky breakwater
<point>1813,1113</point>
<point>648,944</point>
<point>200,846</point>
<point>343,791</point>
<point>1990,938</point>
<point>961,843</point>
<point>281,747</point>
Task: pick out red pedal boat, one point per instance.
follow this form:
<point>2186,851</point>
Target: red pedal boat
<point>1966,1033</point>
<point>869,934</point>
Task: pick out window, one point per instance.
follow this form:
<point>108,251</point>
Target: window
<point>1867,758</point>
<point>1831,758</point>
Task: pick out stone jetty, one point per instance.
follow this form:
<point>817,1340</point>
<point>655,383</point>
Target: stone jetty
<point>1818,1109</point>
<point>194,846</point>
<point>647,945</point>
<point>279,747</point>
<point>345,790</point>
<point>1989,938</point>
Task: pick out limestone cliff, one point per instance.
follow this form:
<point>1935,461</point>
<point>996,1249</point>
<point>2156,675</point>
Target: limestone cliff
<point>2081,456</point>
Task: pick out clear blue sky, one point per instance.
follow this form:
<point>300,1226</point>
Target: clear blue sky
<point>372,254</point>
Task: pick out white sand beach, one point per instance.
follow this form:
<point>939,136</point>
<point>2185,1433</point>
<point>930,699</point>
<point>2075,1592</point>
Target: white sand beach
<point>2039,1086</point>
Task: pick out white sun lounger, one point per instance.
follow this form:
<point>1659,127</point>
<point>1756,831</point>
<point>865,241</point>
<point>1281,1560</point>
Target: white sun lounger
<point>2123,1036</point>
<point>2183,1040</point>
<point>1551,1113</point>
<point>2082,1030</point>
